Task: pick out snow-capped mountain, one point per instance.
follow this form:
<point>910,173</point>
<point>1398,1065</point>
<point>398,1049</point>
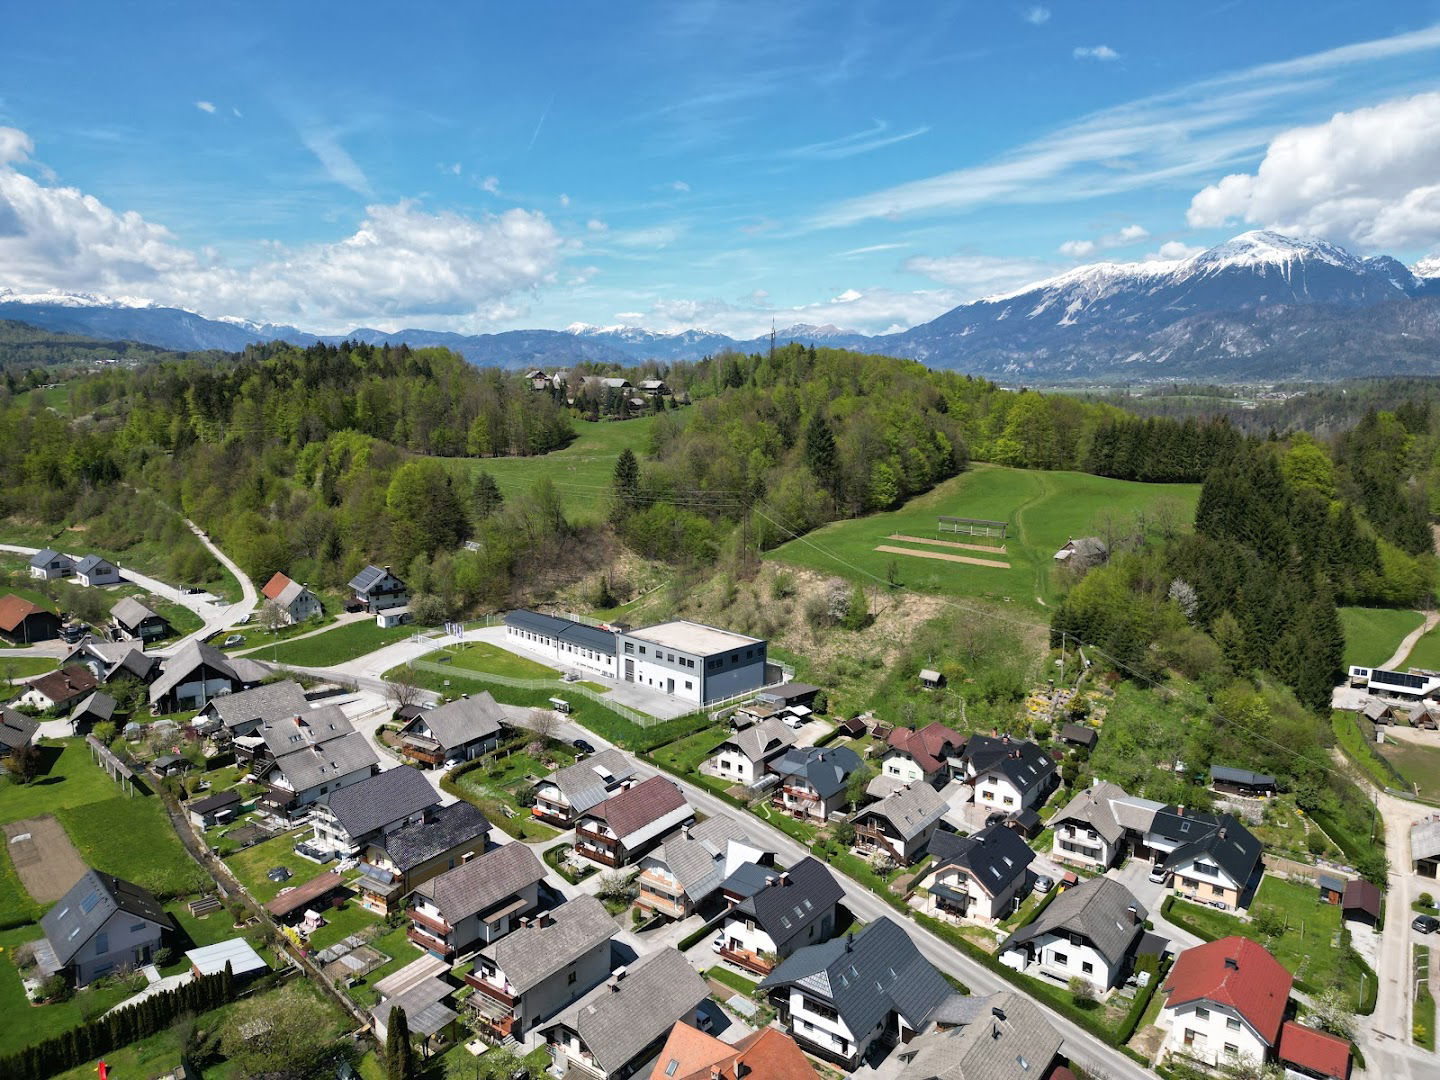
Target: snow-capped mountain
<point>1262,305</point>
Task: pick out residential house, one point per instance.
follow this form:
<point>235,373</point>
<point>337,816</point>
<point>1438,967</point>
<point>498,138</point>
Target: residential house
<point>982,876</point>
<point>309,756</point>
<point>840,997</point>
<point>812,780</point>
<point>619,1026</point>
<point>58,689</point>
<point>296,601</point>
<point>1084,552</point>
<point>1002,1037</point>
<point>376,588</point>
<point>746,755</point>
<point>135,621</point>
<point>199,672</point>
<point>1400,686</point>
<point>1008,774</point>
<point>449,734</point>
<point>619,830</point>
<point>565,794</point>
<point>795,908</point>
<point>1425,846</point>
<point>1224,1001</point>
<point>93,570</point>
<point>22,622</point>
<point>687,870</point>
<point>1361,902</point>
<point>371,808</point>
<point>1208,857</point>
<point>16,731</point>
<point>421,991</point>
<point>112,660</point>
<point>901,824</point>
<point>477,902</point>
<point>50,564</point>
<point>1245,782</point>
<point>531,973</point>
<point>394,865</point>
<point>103,924</point>
<point>931,754</point>
<point>788,694</point>
<point>214,809</point>
<point>564,641</point>
<point>537,379</point>
<point>1317,1055</point>
<point>1091,931</point>
<point>766,1054</point>
<point>654,388</point>
<point>243,713</point>
<point>98,708</point>
<point>1087,831</point>
<point>1078,735</point>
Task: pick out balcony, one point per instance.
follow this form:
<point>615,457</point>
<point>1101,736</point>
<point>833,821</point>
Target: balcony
<point>423,749</point>
<point>675,907</point>
<point>746,959</point>
<point>428,942</point>
<point>430,922</point>
<point>490,990</point>
<point>552,815</point>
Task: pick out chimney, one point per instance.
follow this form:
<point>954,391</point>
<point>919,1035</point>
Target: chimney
<point>1134,914</point>
<point>715,1072</point>
<point>850,941</point>
<point>543,920</point>
<point>1221,834</point>
<point>769,881</point>
<point>387,568</point>
<point>1180,811</point>
<point>785,877</point>
<point>1232,963</point>
<point>742,1070</point>
<point>525,923</point>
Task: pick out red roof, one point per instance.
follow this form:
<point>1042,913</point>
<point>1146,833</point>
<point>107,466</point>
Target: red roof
<point>1237,972</point>
<point>767,1054</point>
<point>16,609</point>
<point>65,685</point>
<point>275,586</point>
<point>1361,895</point>
<point>640,805</point>
<point>1316,1051</point>
<point>927,745</point>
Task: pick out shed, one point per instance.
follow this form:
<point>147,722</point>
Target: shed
<point>1241,781</point>
<point>1361,901</point>
<point>214,809</point>
<point>297,899</point>
<point>237,952</point>
<point>1332,889</point>
<point>1078,735</point>
<point>170,765</point>
<point>395,616</point>
<point>931,679</point>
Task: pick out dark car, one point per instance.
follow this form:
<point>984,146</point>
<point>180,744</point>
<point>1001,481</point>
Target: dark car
<point>583,746</point>
<point>73,632</point>
<point>1426,924</point>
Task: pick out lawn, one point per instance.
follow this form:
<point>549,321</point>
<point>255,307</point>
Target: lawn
<point>22,667</point>
<point>337,646</point>
<point>16,907</point>
<point>498,784</point>
<point>1422,1024</point>
<point>581,472</point>
<point>734,980</point>
<point>685,755</point>
<point>25,1024</point>
<point>1426,653</point>
<point>1373,634</point>
<point>349,919</point>
<point>251,865</point>
<point>1418,764</point>
<point>131,837</point>
<point>479,656</point>
<point>207,930</point>
<point>1043,509</point>
<point>68,778</point>
<point>401,951</point>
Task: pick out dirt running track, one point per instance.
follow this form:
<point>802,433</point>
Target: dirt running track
<point>946,543</point>
<point>944,555</point>
<point>46,860</point>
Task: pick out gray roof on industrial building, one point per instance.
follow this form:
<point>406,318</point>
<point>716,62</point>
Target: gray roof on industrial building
<point>592,637</point>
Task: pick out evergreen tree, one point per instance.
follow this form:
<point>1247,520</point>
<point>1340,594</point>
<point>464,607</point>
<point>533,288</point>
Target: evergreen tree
<point>625,485</point>
<point>486,497</point>
<point>821,456</point>
<point>399,1055</point>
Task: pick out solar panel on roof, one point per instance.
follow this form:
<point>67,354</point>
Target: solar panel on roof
<point>91,899</point>
<point>1399,678</point>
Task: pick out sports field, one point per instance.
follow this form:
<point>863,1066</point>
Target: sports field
<point>1042,510</point>
<point>581,472</point>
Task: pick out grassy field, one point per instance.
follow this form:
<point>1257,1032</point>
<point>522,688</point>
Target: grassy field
<point>1372,634</point>
<point>338,645</point>
<point>1426,653</point>
<point>22,667</point>
<point>581,472</point>
<point>1043,510</point>
<point>685,755</point>
<point>478,656</point>
<point>68,778</point>
<point>251,865</point>
<point>1418,764</point>
<point>16,907</point>
<point>131,837</point>
<point>25,1024</point>
<point>499,783</point>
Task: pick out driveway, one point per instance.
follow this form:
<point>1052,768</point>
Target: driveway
<point>1135,876</point>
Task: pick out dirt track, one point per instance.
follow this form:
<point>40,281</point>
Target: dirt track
<point>946,543</point>
<point>46,860</point>
<point>943,555</point>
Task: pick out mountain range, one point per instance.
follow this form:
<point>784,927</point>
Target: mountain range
<point>1262,306</point>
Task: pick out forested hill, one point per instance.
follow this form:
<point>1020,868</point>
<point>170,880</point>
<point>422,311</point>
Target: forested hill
<point>24,347</point>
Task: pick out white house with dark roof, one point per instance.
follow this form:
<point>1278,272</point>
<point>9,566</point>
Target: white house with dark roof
<point>565,794</point>
<point>746,755</point>
<point>477,902</point>
<point>1091,931</point>
<point>243,713</point>
<point>1207,857</point>
<point>688,869</point>
<point>1008,774</point>
<point>795,908</point>
<point>376,588</point>
<point>49,564</point>
<point>901,824</point>
<point>452,733</point>
<point>372,808</point>
<point>294,600</point>
<point>812,780</point>
<point>199,672</point>
<point>303,759</point>
<point>982,876</point>
<point>1087,831</point>
<point>102,925</point>
<point>533,972</point>
<point>619,1026</point>
<point>564,641</point>
<point>94,570</point>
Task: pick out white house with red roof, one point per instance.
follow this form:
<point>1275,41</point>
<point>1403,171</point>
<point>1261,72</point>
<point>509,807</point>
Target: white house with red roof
<point>931,754</point>
<point>1225,1001</point>
<point>295,600</point>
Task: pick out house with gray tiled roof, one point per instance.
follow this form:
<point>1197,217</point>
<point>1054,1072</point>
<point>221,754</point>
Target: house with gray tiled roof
<point>625,826</point>
<point>812,780</point>
<point>565,794</point>
<point>1003,1037</point>
<point>102,925</point>
<point>1088,831</point>
<point>95,570</point>
<point>137,622</point>
<point>199,672</point>
<point>16,730</point>
<point>688,869</point>
<point>371,809</point>
<point>1092,931</point>
<point>982,876</point>
<point>98,708</point>
<point>458,731</point>
<point>245,712</point>
<point>477,902</point>
<point>393,864</point>
<point>900,825</point>
<point>746,755</point>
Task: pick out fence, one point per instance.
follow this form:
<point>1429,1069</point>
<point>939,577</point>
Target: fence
<point>553,685</point>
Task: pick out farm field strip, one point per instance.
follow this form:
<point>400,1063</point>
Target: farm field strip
<point>943,555</point>
<point>945,543</point>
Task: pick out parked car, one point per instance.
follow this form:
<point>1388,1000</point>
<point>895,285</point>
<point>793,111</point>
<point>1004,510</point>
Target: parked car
<point>1044,883</point>
<point>1426,924</point>
<point>72,632</point>
<point>584,746</point>
<point>717,942</point>
<point>995,817</point>
<point>1157,874</point>
<point>233,640</point>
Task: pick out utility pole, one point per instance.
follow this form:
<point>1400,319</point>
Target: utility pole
<point>772,337</point>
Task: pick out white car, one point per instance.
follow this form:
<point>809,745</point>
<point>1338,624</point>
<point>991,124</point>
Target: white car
<point>232,640</point>
<point>1157,874</point>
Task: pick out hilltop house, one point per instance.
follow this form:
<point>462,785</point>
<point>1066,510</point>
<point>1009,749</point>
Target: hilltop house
<point>1082,553</point>
<point>1004,1036</point>
<point>50,564</point>
<point>58,689</point>
<point>982,876</point>
<point>449,734</point>
<point>688,869</point>
<point>1224,1001</point>
<point>618,1027</point>
<point>537,379</point>
<point>296,601</point>
<point>102,925</point>
<point>901,824</point>
<point>840,997</point>
<point>1232,781</point>
<point>477,902</point>
<point>796,907</point>
<point>619,830</point>
<point>93,570</point>
<point>537,969</point>
<point>135,621</point>
<point>565,794</point>
<point>22,622</point>
<point>375,589</point>
<point>812,780</point>
<point>767,1054</point>
<point>932,754</point>
<point>1092,930</point>
<point>747,754</point>
<point>242,713</point>
<point>1008,774</point>
<point>654,388</point>
<point>199,672</point>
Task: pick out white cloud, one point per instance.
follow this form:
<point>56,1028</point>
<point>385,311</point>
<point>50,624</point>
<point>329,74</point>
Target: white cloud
<point>1095,52</point>
<point>564,199</point>
<point>338,164</point>
<point>595,225</point>
<point>238,114</point>
<point>1369,177</point>
<point>869,311</point>
<point>656,237</point>
<point>1077,249</point>
<point>1129,234</point>
<point>974,276</point>
<point>491,184</point>
<point>869,249</point>
<point>1037,15</point>
<point>205,106</point>
<point>857,142</point>
<point>631,317</point>
<point>678,185</point>
<point>15,146</point>
<point>1173,250</point>
<point>849,296</point>
<point>1195,130</point>
<point>453,168</point>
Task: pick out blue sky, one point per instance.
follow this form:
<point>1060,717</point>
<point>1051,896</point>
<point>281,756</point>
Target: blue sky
<point>481,167</point>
